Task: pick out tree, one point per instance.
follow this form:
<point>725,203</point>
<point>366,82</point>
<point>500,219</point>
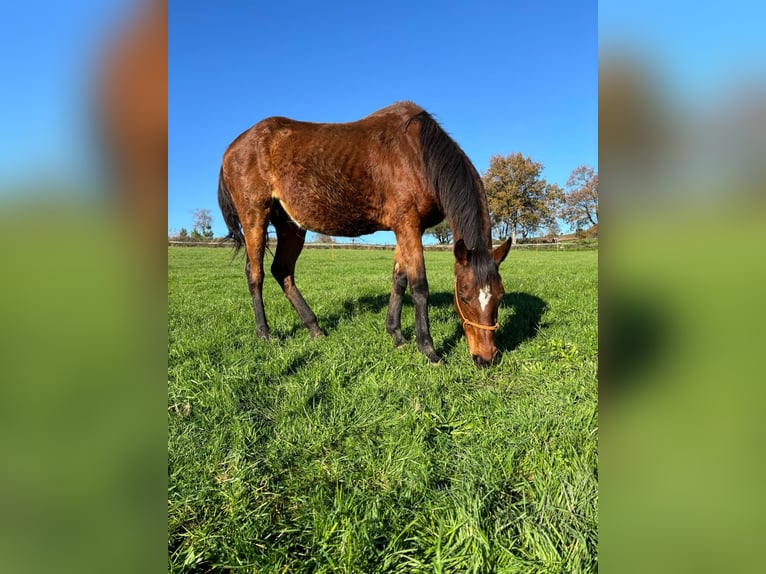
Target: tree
<point>322,238</point>
<point>183,235</point>
<point>552,230</point>
<point>581,201</point>
<point>202,223</point>
<point>442,232</point>
<point>520,200</point>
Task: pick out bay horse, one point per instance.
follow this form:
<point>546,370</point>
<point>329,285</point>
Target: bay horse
<point>396,169</point>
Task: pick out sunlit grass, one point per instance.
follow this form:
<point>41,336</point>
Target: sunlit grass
<point>344,454</point>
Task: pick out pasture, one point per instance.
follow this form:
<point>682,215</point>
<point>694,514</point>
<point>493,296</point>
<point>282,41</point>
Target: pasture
<point>345,454</point>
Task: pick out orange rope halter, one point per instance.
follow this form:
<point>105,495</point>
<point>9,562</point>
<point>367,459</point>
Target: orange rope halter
<point>466,321</point>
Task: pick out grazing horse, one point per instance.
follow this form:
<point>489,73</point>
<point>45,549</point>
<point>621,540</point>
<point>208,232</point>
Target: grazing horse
<point>396,169</point>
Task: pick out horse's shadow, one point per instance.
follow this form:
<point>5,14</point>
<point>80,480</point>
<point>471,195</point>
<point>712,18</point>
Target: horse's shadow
<point>522,323</point>
<point>520,317</point>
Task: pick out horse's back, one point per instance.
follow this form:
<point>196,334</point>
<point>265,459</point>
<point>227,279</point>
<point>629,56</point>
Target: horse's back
<point>404,110</point>
<point>277,132</point>
<point>394,117</point>
<point>345,179</point>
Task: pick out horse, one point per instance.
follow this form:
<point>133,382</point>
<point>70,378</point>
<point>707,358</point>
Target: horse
<point>397,170</point>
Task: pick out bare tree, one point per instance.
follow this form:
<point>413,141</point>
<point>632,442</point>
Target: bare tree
<point>202,223</point>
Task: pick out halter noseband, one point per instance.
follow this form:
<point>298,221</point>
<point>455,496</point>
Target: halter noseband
<point>466,321</point>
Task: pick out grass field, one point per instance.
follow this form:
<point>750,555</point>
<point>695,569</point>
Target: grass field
<point>344,454</point>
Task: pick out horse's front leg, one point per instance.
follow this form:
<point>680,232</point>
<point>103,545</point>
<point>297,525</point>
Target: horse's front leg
<point>419,290</point>
<point>410,247</point>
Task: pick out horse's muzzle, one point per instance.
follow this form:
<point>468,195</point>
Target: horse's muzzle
<point>481,362</point>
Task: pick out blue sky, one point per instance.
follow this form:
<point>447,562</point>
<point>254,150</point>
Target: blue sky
<point>501,77</point>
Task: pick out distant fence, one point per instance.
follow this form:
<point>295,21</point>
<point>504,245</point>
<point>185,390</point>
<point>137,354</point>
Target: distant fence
<point>370,246</point>
<point>560,245</point>
<point>200,243</point>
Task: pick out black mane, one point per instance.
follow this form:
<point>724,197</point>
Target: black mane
<point>458,186</point>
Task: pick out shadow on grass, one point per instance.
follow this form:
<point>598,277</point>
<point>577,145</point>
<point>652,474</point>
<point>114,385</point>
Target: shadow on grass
<point>520,316</point>
<point>524,324</point>
<point>515,328</point>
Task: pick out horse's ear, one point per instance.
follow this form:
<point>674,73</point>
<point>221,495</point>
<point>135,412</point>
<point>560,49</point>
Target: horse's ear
<point>462,253</point>
<point>501,251</point>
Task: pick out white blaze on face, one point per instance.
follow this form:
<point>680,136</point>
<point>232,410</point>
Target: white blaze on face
<point>484,297</point>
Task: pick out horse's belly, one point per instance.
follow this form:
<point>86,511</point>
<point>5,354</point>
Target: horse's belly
<point>340,213</point>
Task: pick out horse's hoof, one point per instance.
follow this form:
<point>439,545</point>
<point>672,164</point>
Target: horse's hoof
<point>318,333</point>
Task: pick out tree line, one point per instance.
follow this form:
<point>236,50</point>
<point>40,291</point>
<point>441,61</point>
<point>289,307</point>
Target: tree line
<point>202,227</point>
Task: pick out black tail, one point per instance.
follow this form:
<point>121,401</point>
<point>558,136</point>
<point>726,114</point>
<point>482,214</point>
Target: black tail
<point>230,215</point>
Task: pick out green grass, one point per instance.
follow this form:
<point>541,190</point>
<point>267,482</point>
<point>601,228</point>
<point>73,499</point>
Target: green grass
<point>344,454</point>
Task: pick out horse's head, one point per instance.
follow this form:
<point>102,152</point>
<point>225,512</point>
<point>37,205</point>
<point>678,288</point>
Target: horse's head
<point>478,292</point>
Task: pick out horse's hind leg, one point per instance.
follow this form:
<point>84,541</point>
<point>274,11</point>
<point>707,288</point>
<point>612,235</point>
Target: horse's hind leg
<point>290,239</point>
<point>255,228</point>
